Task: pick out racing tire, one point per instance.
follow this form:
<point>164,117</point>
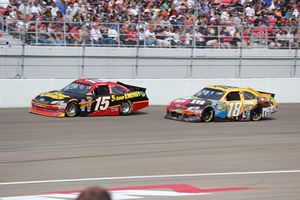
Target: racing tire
<point>72,109</point>
<point>256,113</point>
<point>207,115</point>
<point>125,108</point>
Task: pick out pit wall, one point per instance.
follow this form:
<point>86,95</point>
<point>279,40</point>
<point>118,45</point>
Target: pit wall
<point>19,92</point>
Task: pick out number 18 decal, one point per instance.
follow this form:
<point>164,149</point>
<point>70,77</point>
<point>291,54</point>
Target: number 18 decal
<point>102,103</point>
<point>235,109</point>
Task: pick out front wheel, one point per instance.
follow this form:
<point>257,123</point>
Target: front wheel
<point>72,109</point>
<point>207,115</point>
<point>125,108</point>
<point>256,113</point>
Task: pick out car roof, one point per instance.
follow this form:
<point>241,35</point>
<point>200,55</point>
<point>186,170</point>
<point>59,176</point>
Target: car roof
<point>224,87</point>
<point>94,81</point>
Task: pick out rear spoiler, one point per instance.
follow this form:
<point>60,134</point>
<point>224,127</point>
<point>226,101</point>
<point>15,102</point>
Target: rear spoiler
<point>132,87</point>
<point>264,94</point>
<point>267,94</point>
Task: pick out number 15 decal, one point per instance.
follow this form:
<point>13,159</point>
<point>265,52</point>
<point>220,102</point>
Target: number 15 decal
<point>235,109</point>
<point>102,103</point>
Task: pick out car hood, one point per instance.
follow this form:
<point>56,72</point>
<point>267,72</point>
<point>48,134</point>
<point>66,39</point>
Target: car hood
<point>47,97</point>
<point>190,101</point>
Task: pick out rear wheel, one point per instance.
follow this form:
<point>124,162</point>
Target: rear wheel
<point>207,115</point>
<point>72,109</point>
<point>256,113</point>
<point>125,108</point>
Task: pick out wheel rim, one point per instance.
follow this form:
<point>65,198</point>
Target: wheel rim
<point>72,110</point>
<point>126,108</point>
<point>208,115</point>
<point>256,115</point>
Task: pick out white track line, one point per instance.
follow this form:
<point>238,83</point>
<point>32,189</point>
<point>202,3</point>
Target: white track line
<point>150,177</point>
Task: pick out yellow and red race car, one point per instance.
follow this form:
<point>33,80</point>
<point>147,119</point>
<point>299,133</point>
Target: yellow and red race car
<point>223,103</point>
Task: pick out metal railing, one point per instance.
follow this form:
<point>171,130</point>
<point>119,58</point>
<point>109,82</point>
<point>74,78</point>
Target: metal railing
<point>200,47</point>
<point>54,33</point>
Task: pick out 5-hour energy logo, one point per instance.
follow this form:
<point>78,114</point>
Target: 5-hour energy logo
<point>129,95</point>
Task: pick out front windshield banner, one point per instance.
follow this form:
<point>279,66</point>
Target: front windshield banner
<point>208,93</point>
<point>77,88</point>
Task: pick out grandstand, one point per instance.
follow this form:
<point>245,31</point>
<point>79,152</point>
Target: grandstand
<point>149,38</point>
<point>154,23</point>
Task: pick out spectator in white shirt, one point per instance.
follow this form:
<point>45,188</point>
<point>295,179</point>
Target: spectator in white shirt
<point>150,36</point>
<point>4,3</point>
<point>24,8</point>
<point>54,9</point>
<point>36,8</point>
<point>95,35</point>
<point>250,12</point>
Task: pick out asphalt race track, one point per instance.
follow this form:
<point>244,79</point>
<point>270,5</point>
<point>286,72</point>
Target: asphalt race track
<point>164,159</point>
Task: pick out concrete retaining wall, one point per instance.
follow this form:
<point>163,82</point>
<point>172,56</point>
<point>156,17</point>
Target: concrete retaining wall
<point>147,63</point>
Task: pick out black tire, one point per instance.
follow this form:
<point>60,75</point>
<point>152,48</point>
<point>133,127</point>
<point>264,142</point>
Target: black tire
<point>125,108</point>
<point>256,113</point>
<point>208,115</point>
<point>72,109</point>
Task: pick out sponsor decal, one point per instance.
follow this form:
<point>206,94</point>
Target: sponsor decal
<point>139,192</point>
<point>42,100</point>
<point>198,102</point>
<point>179,101</point>
<point>143,94</point>
<point>54,95</point>
<point>114,109</point>
<point>86,104</point>
<point>129,95</point>
<point>269,110</point>
<point>247,110</point>
<point>220,109</point>
<point>177,106</point>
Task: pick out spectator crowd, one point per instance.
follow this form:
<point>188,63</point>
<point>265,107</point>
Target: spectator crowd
<point>154,23</point>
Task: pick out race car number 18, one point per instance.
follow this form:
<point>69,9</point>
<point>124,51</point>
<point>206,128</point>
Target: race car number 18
<point>102,103</point>
<point>234,109</point>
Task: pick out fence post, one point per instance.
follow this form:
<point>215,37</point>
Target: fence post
<point>22,60</point>
<point>83,52</point>
<point>241,54</point>
<point>294,74</point>
<point>137,45</point>
<point>190,72</point>
<point>23,39</point>
<point>36,32</point>
<point>64,28</point>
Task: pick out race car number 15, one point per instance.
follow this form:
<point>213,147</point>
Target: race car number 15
<point>102,103</point>
<point>234,109</point>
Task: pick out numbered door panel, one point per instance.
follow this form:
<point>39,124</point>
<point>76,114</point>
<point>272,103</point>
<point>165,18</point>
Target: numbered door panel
<point>101,97</point>
<point>99,103</point>
<point>250,100</point>
<point>234,104</point>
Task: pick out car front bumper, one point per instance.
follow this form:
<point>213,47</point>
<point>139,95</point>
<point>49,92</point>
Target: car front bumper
<point>47,110</point>
<point>182,115</point>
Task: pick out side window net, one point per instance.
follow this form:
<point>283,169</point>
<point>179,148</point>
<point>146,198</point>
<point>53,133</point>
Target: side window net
<point>101,91</point>
<point>233,96</point>
<point>249,96</point>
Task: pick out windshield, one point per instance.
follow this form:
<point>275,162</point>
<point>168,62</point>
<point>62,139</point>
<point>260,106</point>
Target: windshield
<point>78,88</point>
<point>208,93</point>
